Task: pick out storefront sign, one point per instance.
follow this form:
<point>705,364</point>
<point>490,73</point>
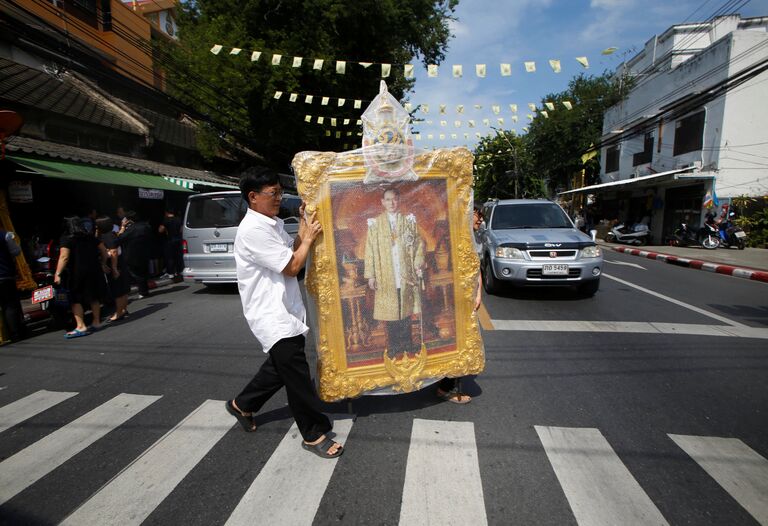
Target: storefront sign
<point>150,193</point>
<point>20,191</point>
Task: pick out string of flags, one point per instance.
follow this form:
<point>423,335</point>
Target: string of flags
<point>387,69</point>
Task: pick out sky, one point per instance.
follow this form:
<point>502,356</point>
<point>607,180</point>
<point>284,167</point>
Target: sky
<point>516,31</point>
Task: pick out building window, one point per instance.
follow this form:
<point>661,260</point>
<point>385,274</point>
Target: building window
<point>689,134</point>
<point>646,155</point>
<point>612,159</point>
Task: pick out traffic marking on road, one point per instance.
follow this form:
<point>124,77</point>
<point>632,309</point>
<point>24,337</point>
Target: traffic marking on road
<point>485,319</point>
<point>640,327</point>
<point>137,490</point>
<point>599,487</point>
<point>625,264</point>
<point>677,302</point>
<point>29,406</point>
<point>291,484</point>
<point>442,477</point>
<point>735,466</point>
<point>32,463</point>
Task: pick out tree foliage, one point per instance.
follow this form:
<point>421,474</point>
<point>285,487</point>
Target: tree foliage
<point>239,93</point>
<point>504,169</point>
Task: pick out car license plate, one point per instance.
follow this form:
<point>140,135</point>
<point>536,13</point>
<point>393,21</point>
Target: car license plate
<point>43,294</point>
<point>217,247</point>
<point>554,270</point>
<point>740,234</point>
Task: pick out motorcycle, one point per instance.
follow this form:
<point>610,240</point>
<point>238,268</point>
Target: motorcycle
<point>709,235</point>
<point>732,235</point>
<point>637,234</point>
<point>684,236</point>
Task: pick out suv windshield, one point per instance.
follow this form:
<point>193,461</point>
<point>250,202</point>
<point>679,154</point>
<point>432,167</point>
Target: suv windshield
<point>213,212</point>
<point>536,215</point>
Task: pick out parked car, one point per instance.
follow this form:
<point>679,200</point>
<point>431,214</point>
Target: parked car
<point>210,225</point>
<point>533,242</point>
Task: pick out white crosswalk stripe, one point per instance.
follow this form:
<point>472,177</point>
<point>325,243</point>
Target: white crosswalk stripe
<point>29,406</point>
<point>131,496</point>
<point>599,487</point>
<point>290,486</point>
<point>32,463</point>
<point>446,452</point>
<point>735,466</point>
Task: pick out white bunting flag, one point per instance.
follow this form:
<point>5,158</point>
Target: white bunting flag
<point>341,67</point>
<point>530,117</point>
<point>417,136</point>
<point>357,104</point>
<point>425,108</point>
<point>333,121</point>
<point>442,109</point>
<point>460,108</point>
<point>432,70</point>
<point>276,60</point>
<point>506,70</point>
<point>486,122</point>
<point>514,118</point>
<point>480,70</point>
<point>341,102</point>
<point>544,113</point>
<point>255,56</point>
<point>555,65</point>
<point>531,106</point>
<point>525,129</point>
<point>466,136</point>
<point>500,121</point>
<point>297,62</point>
<point>408,71</point>
<point>366,65</point>
<point>443,123</point>
<point>359,122</point>
<point>308,99</point>
<point>324,101</point>
<point>583,61</point>
<point>318,64</point>
<point>442,136</point>
<point>457,124</point>
<point>429,122</point>
<point>454,136</point>
<point>471,123</point>
<point>408,107</point>
<point>349,134</point>
<point>513,108</point>
<point>327,133</point>
<point>308,118</point>
<point>278,94</point>
<point>346,121</point>
<point>496,109</point>
<point>568,105</point>
<point>478,107</point>
<point>320,120</point>
<point>430,136</point>
<point>293,97</point>
<point>530,67</point>
<point>385,70</point>
<point>235,51</point>
<point>608,51</point>
<point>549,106</point>
<point>458,71</point>
<point>216,49</point>
<point>477,134</point>
<point>338,135</point>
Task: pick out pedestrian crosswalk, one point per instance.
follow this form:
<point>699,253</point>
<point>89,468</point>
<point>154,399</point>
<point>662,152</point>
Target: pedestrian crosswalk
<point>442,482</point>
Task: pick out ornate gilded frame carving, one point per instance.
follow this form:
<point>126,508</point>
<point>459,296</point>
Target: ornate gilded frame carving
<point>316,171</point>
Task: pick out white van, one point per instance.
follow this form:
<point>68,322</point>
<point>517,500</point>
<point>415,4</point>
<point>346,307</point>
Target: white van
<point>210,225</point>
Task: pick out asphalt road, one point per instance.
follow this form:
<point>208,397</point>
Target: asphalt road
<point>606,408</point>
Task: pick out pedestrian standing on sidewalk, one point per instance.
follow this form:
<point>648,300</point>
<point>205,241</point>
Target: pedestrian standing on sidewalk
<point>81,269</point>
<point>172,250</point>
<point>10,303</point>
<point>135,238</point>
<point>268,260</point>
<point>119,283</point>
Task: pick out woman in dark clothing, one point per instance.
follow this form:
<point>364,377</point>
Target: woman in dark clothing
<point>84,259</point>
<point>118,277</point>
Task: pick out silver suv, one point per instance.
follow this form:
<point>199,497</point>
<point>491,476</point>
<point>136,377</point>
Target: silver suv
<point>210,225</point>
<point>533,242</point>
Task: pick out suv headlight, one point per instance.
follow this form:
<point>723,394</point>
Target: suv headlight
<point>509,253</point>
<point>591,252</point>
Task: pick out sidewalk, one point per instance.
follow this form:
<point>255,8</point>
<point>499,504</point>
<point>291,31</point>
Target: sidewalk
<point>750,263</point>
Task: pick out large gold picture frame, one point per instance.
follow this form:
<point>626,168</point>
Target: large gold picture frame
<point>350,343</point>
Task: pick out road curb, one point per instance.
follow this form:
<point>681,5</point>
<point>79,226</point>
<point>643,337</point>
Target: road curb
<point>728,270</point>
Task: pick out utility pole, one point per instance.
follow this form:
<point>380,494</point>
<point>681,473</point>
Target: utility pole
<point>514,159</point>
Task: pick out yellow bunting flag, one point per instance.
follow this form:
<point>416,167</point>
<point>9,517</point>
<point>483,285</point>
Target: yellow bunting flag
<point>583,61</point>
<point>486,122</point>
<point>478,106</point>
<point>506,70</point>
<point>530,67</point>
<point>293,97</point>
<point>255,56</point>
<point>217,49</point>
<point>466,136</point>
<point>460,108</point>
<point>477,134</point>
<point>514,118</point>
<point>525,129</point>
<point>235,51</point>
<point>513,108</point>
<point>278,94</point>
<point>327,133</point>
<point>544,113</point>
<point>496,109</point>
<point>432,70</point>
<point>338,135</point>
<point>308,99</point>
<point>458,71</point>
<point>425,108</point>
<point>530,117</point>
<point>550,106</point>
<point>608,51</point>
<point>318,64</point>
<point>297,62</point>
<point>454,136</point>
<point>555,65</point>
<point>333,121</point>
<point>531,106</point>
<point>366,65</point>
<point>385,70</point>
<point>320,120</point>
<point>457,124</point>
<point>443,123</point>
<point>442,136</point>
<point>308,118</point>
<point>408,71</point>
<point>341,102</point>
<point>442,109</point>
<point>357,104</point>
<point>349,134</point>
<point>480,70</point>
<point>341,67</point>
<point>500,120</point>
<point>324,101</point>
<point>408,107</point>
<point>276,59</point>
<point>417,136</point>
<point>471,123</point>
<point>568,105</point>
<point>430,136</point>
<point>346,121</point>
<point>359,122</point>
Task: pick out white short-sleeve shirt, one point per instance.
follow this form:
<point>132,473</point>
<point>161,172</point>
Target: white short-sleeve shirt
<point>272,302</point>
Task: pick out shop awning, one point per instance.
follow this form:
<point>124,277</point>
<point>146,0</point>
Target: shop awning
<point>192,183</point>
<point>95,174</point>
<point>629,183</point>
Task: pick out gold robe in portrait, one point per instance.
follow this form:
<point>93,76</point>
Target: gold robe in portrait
<point>378,265</point>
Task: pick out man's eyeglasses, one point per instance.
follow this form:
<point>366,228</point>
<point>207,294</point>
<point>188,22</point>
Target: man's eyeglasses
<point>273,194</point>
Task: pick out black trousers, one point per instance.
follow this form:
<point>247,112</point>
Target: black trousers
<point>286,365</point>
<point>13,317</point>
<point>399,337</point>
<point>139,274</point>
<point>174,257</point>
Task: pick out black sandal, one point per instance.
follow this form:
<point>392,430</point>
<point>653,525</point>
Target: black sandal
<point>321,448</point>
<point>246,421</point>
